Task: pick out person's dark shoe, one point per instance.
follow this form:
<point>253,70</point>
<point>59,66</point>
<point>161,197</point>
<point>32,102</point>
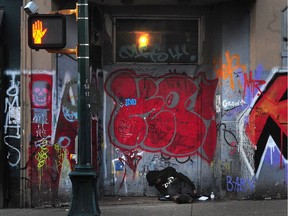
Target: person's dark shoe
<point>184,198</point>
<point>190,200</point>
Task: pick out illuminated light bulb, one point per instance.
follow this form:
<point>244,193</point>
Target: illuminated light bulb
<point>143,40</point>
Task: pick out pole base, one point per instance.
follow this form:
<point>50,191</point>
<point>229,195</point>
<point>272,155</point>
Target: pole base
<point>84,193</point>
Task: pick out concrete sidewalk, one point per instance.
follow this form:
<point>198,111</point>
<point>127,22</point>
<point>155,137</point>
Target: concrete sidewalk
<point>150,206</point>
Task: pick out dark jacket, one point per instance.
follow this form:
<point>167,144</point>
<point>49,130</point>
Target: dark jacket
<point>182,183</point>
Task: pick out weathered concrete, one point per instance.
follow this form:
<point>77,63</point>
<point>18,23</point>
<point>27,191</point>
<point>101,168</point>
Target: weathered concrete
<point>142,206</point>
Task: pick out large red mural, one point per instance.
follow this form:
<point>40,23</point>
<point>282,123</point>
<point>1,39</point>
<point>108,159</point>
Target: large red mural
<point>172,114</point>
<point>268,117</point>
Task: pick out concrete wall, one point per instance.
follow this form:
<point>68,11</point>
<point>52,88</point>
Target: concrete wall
<point>266,33</point>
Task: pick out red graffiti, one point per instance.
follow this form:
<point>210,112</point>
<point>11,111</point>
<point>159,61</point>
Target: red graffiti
<point>67,125</point>
<point>271,103</point>
<point>48,152</point>
<point>131,160</point>
<point>269,118</point>
<point>251,83</point>
<point>41,131</point>
<point>234,148</point>
<point>172,114</point>
<point>41,106</point>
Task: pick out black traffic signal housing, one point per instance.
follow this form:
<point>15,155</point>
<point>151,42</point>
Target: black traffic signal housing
<point>46,31</point>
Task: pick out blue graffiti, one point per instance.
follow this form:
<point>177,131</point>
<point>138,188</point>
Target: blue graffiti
<point>240,184</point>
<point>130,102</point>
<point>118,165</point>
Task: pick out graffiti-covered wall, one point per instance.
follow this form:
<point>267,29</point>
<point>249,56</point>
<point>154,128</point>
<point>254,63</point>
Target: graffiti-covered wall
<point>53,135</point>
<point>158,116</point>
<point>223,123</point>
<point>220,119</point>
<point>264,125</point>
<point>170,120</point>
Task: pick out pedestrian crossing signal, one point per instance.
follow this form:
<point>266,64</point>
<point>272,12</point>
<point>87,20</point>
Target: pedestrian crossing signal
<point>46,31</point>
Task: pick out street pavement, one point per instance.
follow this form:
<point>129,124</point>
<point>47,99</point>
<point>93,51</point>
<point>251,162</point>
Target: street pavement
<point>150,206</point>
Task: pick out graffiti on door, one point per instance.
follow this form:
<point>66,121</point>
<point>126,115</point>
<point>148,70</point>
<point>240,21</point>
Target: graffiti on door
<point>163,114</point>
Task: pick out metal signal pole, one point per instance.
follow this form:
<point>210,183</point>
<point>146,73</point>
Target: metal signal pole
<point>84,178</point>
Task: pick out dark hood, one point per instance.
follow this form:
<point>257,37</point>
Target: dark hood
<point>164,174</point>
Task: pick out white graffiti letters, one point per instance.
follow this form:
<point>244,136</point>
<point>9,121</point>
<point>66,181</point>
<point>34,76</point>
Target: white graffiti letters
<point>12,119</point>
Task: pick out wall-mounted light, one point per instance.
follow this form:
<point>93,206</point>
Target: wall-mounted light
<point>143,40</point>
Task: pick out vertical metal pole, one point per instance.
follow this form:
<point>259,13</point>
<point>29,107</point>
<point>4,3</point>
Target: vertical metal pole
<point>84,114</point>
<point>84,178</point>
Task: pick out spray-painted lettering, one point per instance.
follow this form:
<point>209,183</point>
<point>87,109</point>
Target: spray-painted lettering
<point>239,184</point>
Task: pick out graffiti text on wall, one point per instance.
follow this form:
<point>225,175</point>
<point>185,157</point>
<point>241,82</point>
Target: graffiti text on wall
<point>156,55</point>
<point>226,71</point>
<point>232,70</point>
<point>168,116</point>
<point>239,184</point>
<point>12,120</point>
<point>125,159</point>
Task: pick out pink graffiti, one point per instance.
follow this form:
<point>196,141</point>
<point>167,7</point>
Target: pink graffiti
<point>234,148</point>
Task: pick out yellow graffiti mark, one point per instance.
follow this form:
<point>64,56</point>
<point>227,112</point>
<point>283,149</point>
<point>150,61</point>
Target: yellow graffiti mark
<point>42,156</point>
<point>61,154</point>
<point>225,165</point>
<point>225,71</point>
<point>57,147</point>
<point>212,164</point>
